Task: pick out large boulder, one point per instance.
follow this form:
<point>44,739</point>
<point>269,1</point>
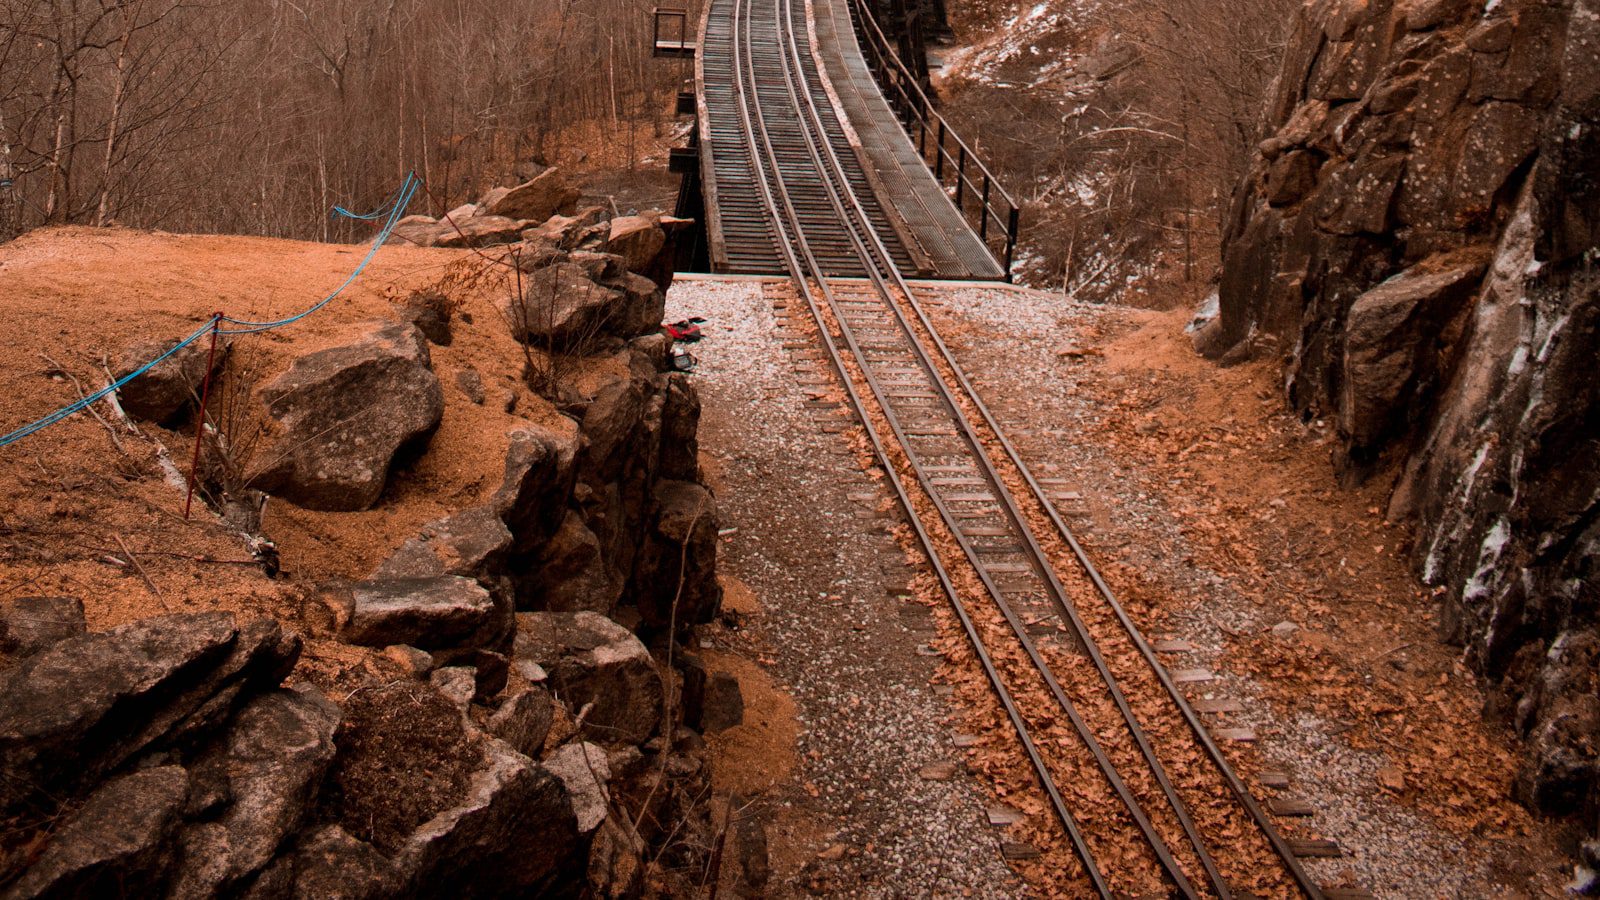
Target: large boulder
<point>509,836</point>
<point>547,194</point>
<point>119,844</point>
<point>584,771</point>
<point>481,231</point>
<point>270,764</point>
<point>423,231</point>
<point>637,239</point>
<point>674,576</point>
<point>471,543</point>
<point>1394,336</point>
<point>31,624</point>
<point>680,426</point>
<point>594,664</point>
<point>572,572</point>
<point>564,308</point>
<point>82,707</point>
<point>443,611</point>
<point>539,469</point>
<point>347,412</point>
<point>610,421</point>
<point>172,386</point>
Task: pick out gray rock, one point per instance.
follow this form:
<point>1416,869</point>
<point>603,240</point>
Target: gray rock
<point>424,231</point>
<point>272,760</point>
<point>562,309</point>
<point>523,720</point>
<point>681,547</point>
<point>637,239</point>
<point>680,425</point>
<point>547,194</point>
<point>429,613</point>
<point>712,701</point>
<point>330,863</point>
<point>644,305</point>
<point>723,705</point>
<point>472,543</point>
<point>346,413</point>
<point>174,385</point>
<point>593,662</point>
<point>585,771</point>
<point>31,624</point>
<point>609,424</point>
<point>85,705</point>
<point>119,844</point>
<point>570,572</point>
<point>1390,335</point>
<point>430,313</point>
<point>465,851</point>
<point>458,683</point>
<point>471,385</point>
<point>480,231</point>
<point>539,471</point>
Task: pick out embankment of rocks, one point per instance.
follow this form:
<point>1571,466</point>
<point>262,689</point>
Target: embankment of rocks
<point>500,706</point>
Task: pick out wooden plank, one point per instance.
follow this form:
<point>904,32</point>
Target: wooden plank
<point>1290,807</point>
<point>1314,848</point>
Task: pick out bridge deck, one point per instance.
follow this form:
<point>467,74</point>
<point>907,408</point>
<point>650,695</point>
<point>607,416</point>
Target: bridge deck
<point>906,205</point>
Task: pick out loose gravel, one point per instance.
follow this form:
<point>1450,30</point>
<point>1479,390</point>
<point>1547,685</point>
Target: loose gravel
<point>813,546</point>
<point>811,541</point>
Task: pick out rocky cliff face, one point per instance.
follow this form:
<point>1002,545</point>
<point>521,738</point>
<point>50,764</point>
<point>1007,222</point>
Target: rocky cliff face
<point>1418,240</point>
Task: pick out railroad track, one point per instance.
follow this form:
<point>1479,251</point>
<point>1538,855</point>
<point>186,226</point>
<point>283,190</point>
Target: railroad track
<point>1051,637</point>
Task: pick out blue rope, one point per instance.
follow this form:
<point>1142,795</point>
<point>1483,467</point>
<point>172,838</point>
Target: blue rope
<point>408,189</point>
<point>380,212</point>
<point>95,397</point>
<point>392,214</point>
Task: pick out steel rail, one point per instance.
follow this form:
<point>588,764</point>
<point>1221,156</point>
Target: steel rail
<point>1057,592</point>
<point>792,260</point>
<point>859,223</point>
<point>1190,716</point>
<point>805,104</point>
<point>836,191</point>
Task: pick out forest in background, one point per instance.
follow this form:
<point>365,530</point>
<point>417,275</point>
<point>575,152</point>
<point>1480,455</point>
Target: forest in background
<point>259,117</point>
<point>1121,125</point>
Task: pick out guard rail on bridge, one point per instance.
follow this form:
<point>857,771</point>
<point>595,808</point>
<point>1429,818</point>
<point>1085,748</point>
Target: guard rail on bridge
<point>969,182</point>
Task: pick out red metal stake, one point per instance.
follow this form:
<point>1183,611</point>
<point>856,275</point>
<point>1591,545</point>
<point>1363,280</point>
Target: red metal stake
<point>200,430</point>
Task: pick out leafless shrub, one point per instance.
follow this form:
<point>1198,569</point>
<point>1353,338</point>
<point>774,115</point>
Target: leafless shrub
<point>236,430</point>
<point>1126,159</point>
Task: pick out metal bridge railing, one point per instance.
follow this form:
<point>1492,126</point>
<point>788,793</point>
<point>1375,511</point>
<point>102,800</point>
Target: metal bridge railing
<point>976,192</point>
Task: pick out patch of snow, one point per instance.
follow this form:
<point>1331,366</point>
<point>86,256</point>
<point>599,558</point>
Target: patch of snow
<point>1209,309</point>
<point>1494,543</point>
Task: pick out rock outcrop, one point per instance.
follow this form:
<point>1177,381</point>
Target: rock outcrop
<point>346,413</point>
<point>171,386</point>
<point>454,746</point>
<point>500,218</point>
<point>1418,240</point>
<point>156,757</point>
